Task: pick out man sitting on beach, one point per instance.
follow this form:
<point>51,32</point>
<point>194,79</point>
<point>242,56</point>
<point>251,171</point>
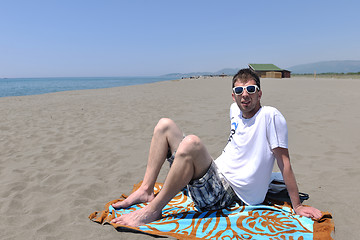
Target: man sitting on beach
<point>242,172</point>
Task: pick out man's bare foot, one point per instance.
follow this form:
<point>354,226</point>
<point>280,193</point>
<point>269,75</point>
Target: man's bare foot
<point>139,217</point>
<point>139,196</point>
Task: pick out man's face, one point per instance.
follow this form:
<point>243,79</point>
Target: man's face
<point>249,104</point>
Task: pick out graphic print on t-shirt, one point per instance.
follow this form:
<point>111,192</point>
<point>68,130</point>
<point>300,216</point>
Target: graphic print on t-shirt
<point>234,126</point>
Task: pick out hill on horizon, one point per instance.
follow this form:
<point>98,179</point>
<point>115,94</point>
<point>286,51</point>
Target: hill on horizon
<point>227,71</point>
<point>346,66</point>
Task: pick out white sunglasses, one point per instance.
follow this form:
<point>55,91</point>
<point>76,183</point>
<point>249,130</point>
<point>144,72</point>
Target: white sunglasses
<point>250,89</point>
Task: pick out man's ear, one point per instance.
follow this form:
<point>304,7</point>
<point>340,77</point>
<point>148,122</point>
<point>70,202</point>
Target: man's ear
<point>233,95</point>
<point>260,94</point>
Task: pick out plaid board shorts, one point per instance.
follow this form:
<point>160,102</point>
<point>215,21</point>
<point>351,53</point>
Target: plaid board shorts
<point>212,191</point>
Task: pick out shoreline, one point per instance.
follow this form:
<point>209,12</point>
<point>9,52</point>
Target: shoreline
<point>37,86</point>
<point>64,155</point>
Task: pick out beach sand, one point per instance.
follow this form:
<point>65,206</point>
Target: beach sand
<point>64,155</point>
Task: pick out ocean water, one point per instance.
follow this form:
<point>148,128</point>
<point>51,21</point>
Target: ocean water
<point>35,86</point>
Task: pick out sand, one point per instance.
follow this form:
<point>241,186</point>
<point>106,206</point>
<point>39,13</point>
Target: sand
<point>64,155</point>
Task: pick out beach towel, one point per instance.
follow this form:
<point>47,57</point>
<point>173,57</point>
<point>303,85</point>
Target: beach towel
<point>180,219</point>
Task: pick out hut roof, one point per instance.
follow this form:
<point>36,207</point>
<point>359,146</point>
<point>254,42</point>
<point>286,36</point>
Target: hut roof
<point>264,67</point>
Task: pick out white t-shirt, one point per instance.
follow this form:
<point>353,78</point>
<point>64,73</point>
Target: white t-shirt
<point>247,160</point>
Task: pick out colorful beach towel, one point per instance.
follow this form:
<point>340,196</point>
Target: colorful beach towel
<point>181,220</point>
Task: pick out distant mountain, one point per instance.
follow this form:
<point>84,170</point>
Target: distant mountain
<point>227,71</point>
<point>186,75</point>
<point>327,67</point>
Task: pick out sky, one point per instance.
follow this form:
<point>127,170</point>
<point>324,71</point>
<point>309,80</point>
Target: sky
<point>98,38</point>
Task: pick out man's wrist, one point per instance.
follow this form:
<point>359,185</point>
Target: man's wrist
<point>297,207</point>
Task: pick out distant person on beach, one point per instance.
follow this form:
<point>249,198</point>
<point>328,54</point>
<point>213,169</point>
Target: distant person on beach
<point>242,172</point>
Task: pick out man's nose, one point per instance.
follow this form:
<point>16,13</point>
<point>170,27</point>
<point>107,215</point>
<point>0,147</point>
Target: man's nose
<point>245,93</point>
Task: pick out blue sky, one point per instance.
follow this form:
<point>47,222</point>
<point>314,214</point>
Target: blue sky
<point>58,38</point>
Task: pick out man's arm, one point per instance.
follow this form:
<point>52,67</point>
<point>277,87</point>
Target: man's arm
<point>283,161</point>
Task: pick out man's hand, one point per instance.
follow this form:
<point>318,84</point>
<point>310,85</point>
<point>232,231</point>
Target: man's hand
<point>309,212</point>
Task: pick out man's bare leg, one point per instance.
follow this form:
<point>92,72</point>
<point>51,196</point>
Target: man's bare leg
<point>166,134</point>
<point>192,161</point>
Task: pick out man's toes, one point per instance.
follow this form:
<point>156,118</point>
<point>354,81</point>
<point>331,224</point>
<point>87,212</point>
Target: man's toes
<point>116,220</point>
<point>116,205</point>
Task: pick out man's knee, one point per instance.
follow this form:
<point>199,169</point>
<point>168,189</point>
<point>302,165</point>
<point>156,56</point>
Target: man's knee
<point>163,125</point>
<point>192,150</point>
<point>190,145</point>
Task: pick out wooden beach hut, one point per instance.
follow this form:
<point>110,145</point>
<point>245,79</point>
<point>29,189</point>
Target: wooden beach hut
<point>269,71</point>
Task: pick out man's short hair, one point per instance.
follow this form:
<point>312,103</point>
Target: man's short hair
<point>246,74</point>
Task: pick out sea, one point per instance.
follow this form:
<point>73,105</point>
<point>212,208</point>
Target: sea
<point>34,86</point>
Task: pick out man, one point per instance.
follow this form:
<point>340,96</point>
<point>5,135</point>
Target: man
<point>258,137</point>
